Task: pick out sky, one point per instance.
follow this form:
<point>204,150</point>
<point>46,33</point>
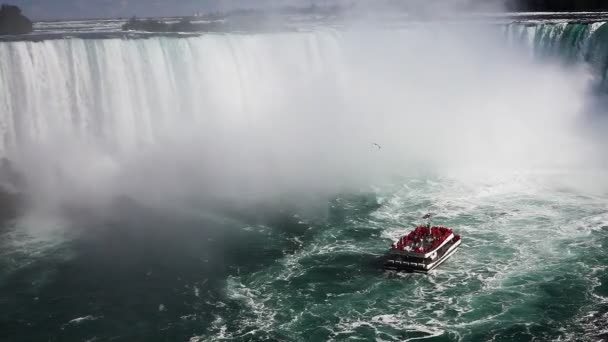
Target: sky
<point>64,9</point>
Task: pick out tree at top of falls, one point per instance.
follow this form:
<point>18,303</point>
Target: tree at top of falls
<point>145,25</point>
<point>12,21</point>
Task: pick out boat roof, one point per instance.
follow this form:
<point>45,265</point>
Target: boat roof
<point>422,255</point>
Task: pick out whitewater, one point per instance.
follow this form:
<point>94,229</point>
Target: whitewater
<point>228,186</point>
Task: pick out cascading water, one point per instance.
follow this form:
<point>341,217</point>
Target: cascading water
<point>573,42</point>
<point>298,110</point>
<point>134,148</point>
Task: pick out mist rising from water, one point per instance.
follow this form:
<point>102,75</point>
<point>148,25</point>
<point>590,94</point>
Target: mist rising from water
<point>235,117</point>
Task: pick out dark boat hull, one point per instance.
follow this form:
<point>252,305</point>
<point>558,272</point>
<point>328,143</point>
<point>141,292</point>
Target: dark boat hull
<point>393,263</point>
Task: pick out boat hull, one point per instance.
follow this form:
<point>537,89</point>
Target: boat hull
<point>424,266</point>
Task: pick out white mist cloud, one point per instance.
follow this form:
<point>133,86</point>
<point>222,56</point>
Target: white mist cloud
<point>256,116</point>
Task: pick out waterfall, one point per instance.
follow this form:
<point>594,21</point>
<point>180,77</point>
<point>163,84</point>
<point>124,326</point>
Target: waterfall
<point>261,112</point>
<point>130,92</point>
<point>573,42</point>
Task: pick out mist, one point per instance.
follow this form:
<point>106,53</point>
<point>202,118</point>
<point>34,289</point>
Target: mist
<point>248,118</point>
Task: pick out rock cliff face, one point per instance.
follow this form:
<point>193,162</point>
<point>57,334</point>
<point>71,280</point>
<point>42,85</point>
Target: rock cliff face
<point>12,184</point>
<point>13,22</point>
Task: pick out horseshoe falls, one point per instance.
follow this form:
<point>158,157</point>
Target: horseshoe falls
<point>573,42</point>
<point>245,186</point>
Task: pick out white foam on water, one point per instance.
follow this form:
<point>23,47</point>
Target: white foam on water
<point>79,321</point>
<point>83,319</point>
<point>512,243</point>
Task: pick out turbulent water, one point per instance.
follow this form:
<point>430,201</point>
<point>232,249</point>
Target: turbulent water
<point>229,186</point>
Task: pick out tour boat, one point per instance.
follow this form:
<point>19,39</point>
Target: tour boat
<point>423,249</point>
